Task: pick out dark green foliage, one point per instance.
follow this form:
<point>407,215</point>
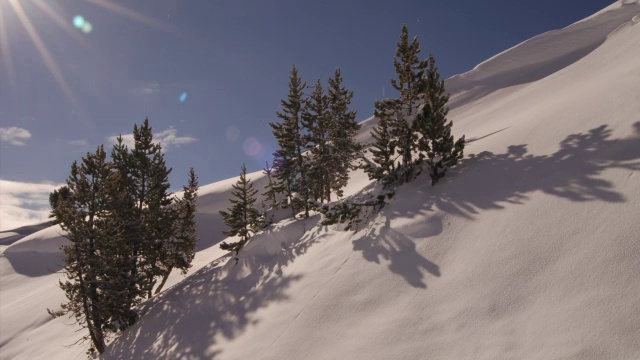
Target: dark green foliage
<point>83,213</point>
<point>411,86</point>
<point>342,132</point>
<point>317,121</point>
<point>410,71</point>
<point>55,197</point>
<point>351,213</point>
<point>436,145</point>
<point>289,162</point>
<point>401,130</point>
<point>180,249</point>
<point>242,217</point>
<point>383,149</point>
<point>125,232</point>
<point>145,177</point>
<point>270,193</point>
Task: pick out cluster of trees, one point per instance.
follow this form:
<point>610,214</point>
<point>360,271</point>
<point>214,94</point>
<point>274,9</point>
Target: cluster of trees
<point>412,129</point>
<point>316,149</point>
<point>126,232</point>
<point>317,146</point>
<point>316,143</point>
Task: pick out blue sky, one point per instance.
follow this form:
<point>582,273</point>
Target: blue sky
<point>64,91</point>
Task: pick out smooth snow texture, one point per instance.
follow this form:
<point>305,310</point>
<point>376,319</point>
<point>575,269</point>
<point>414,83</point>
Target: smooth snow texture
<point>528,249</point>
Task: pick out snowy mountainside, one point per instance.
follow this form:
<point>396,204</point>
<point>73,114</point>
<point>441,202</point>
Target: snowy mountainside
<point>528,249</point>
<point>539,56</point>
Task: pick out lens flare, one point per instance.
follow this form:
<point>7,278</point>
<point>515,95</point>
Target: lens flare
<point>61,21</point>
<point>183,96</point>
<point>87,27</point>
<point>252,147</point>
<point>50,63</point>
<point>78,21</point>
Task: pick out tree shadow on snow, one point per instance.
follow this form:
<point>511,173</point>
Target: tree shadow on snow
<point>488,181</point>
<point>385,243</point>
<point>188,320</point>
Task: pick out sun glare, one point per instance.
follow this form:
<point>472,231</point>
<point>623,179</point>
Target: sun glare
<point>77,27</point>
<point>44,52</point>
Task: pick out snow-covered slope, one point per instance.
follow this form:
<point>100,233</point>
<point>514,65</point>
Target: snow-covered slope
<point>530,249</point>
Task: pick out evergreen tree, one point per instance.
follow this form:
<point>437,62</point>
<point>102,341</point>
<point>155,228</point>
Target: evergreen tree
<point>436,140</point>
<point>145,176</point>
<point>291,169</point>
<point>180,250</point>
<point>410,70</point>
<point>82,213</point>
<point>57,196</point>
<point>342,132</point>
<point>318,123</point>
<point>383,149</point>
<point>410,85</point>
<point>283,179</point>
<point>242,216</point>
<point>271,189</point>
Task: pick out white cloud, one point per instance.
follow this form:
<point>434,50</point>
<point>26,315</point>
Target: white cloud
<point>166,138</point>
<point>145,89</point>
<point>24,203</point>
<point>78,142</point>
<point>14,135</point>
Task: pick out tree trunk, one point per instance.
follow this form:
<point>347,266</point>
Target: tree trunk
<point>164,280</point>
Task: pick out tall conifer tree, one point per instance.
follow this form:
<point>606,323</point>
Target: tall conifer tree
<point>383,149</point>
<point>144,171</point>
<point>410,85</point>
<point>180,249</point>
<point>242,216</point>
<point>83,214</point>
<point>436,144</point>
<point>291,140</point>
<point>343,130</point>
<point>317,122</point>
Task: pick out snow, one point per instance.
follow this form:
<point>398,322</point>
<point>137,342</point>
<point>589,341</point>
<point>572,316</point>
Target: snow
<point>528,249</point>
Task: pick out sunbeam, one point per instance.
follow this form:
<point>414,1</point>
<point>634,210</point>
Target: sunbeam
<point>61,22</point>
<point>5,51</point>
<point>44,53</point>
<point>134,15</point>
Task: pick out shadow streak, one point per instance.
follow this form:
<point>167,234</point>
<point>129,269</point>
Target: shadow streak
<point>573,173</point>
<point>399,250</point>
<point>217,302</point>
<point>489,182</point>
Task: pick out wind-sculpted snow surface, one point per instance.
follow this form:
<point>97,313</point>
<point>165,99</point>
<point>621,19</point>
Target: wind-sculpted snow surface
<point>540,56</point>
<point>528,249</point>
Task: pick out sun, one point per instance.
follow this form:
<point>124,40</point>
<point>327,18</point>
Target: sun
<point>15,8</point>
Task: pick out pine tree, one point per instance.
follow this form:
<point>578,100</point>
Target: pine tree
<point>242,216</point>
<point>82,215</point>
<point>271,189</point>
<point>410,85</point>
<point>57,196</point>
<point>180,250</point>
<point>283,178</point>
<point>410,71</point>
<point>343,130</point>
<point>436,140</point>
<point>289,134</point>
<point>144,171</point>
<point>127,229</point>
<point>317,122</point>
<point>383,149</point>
